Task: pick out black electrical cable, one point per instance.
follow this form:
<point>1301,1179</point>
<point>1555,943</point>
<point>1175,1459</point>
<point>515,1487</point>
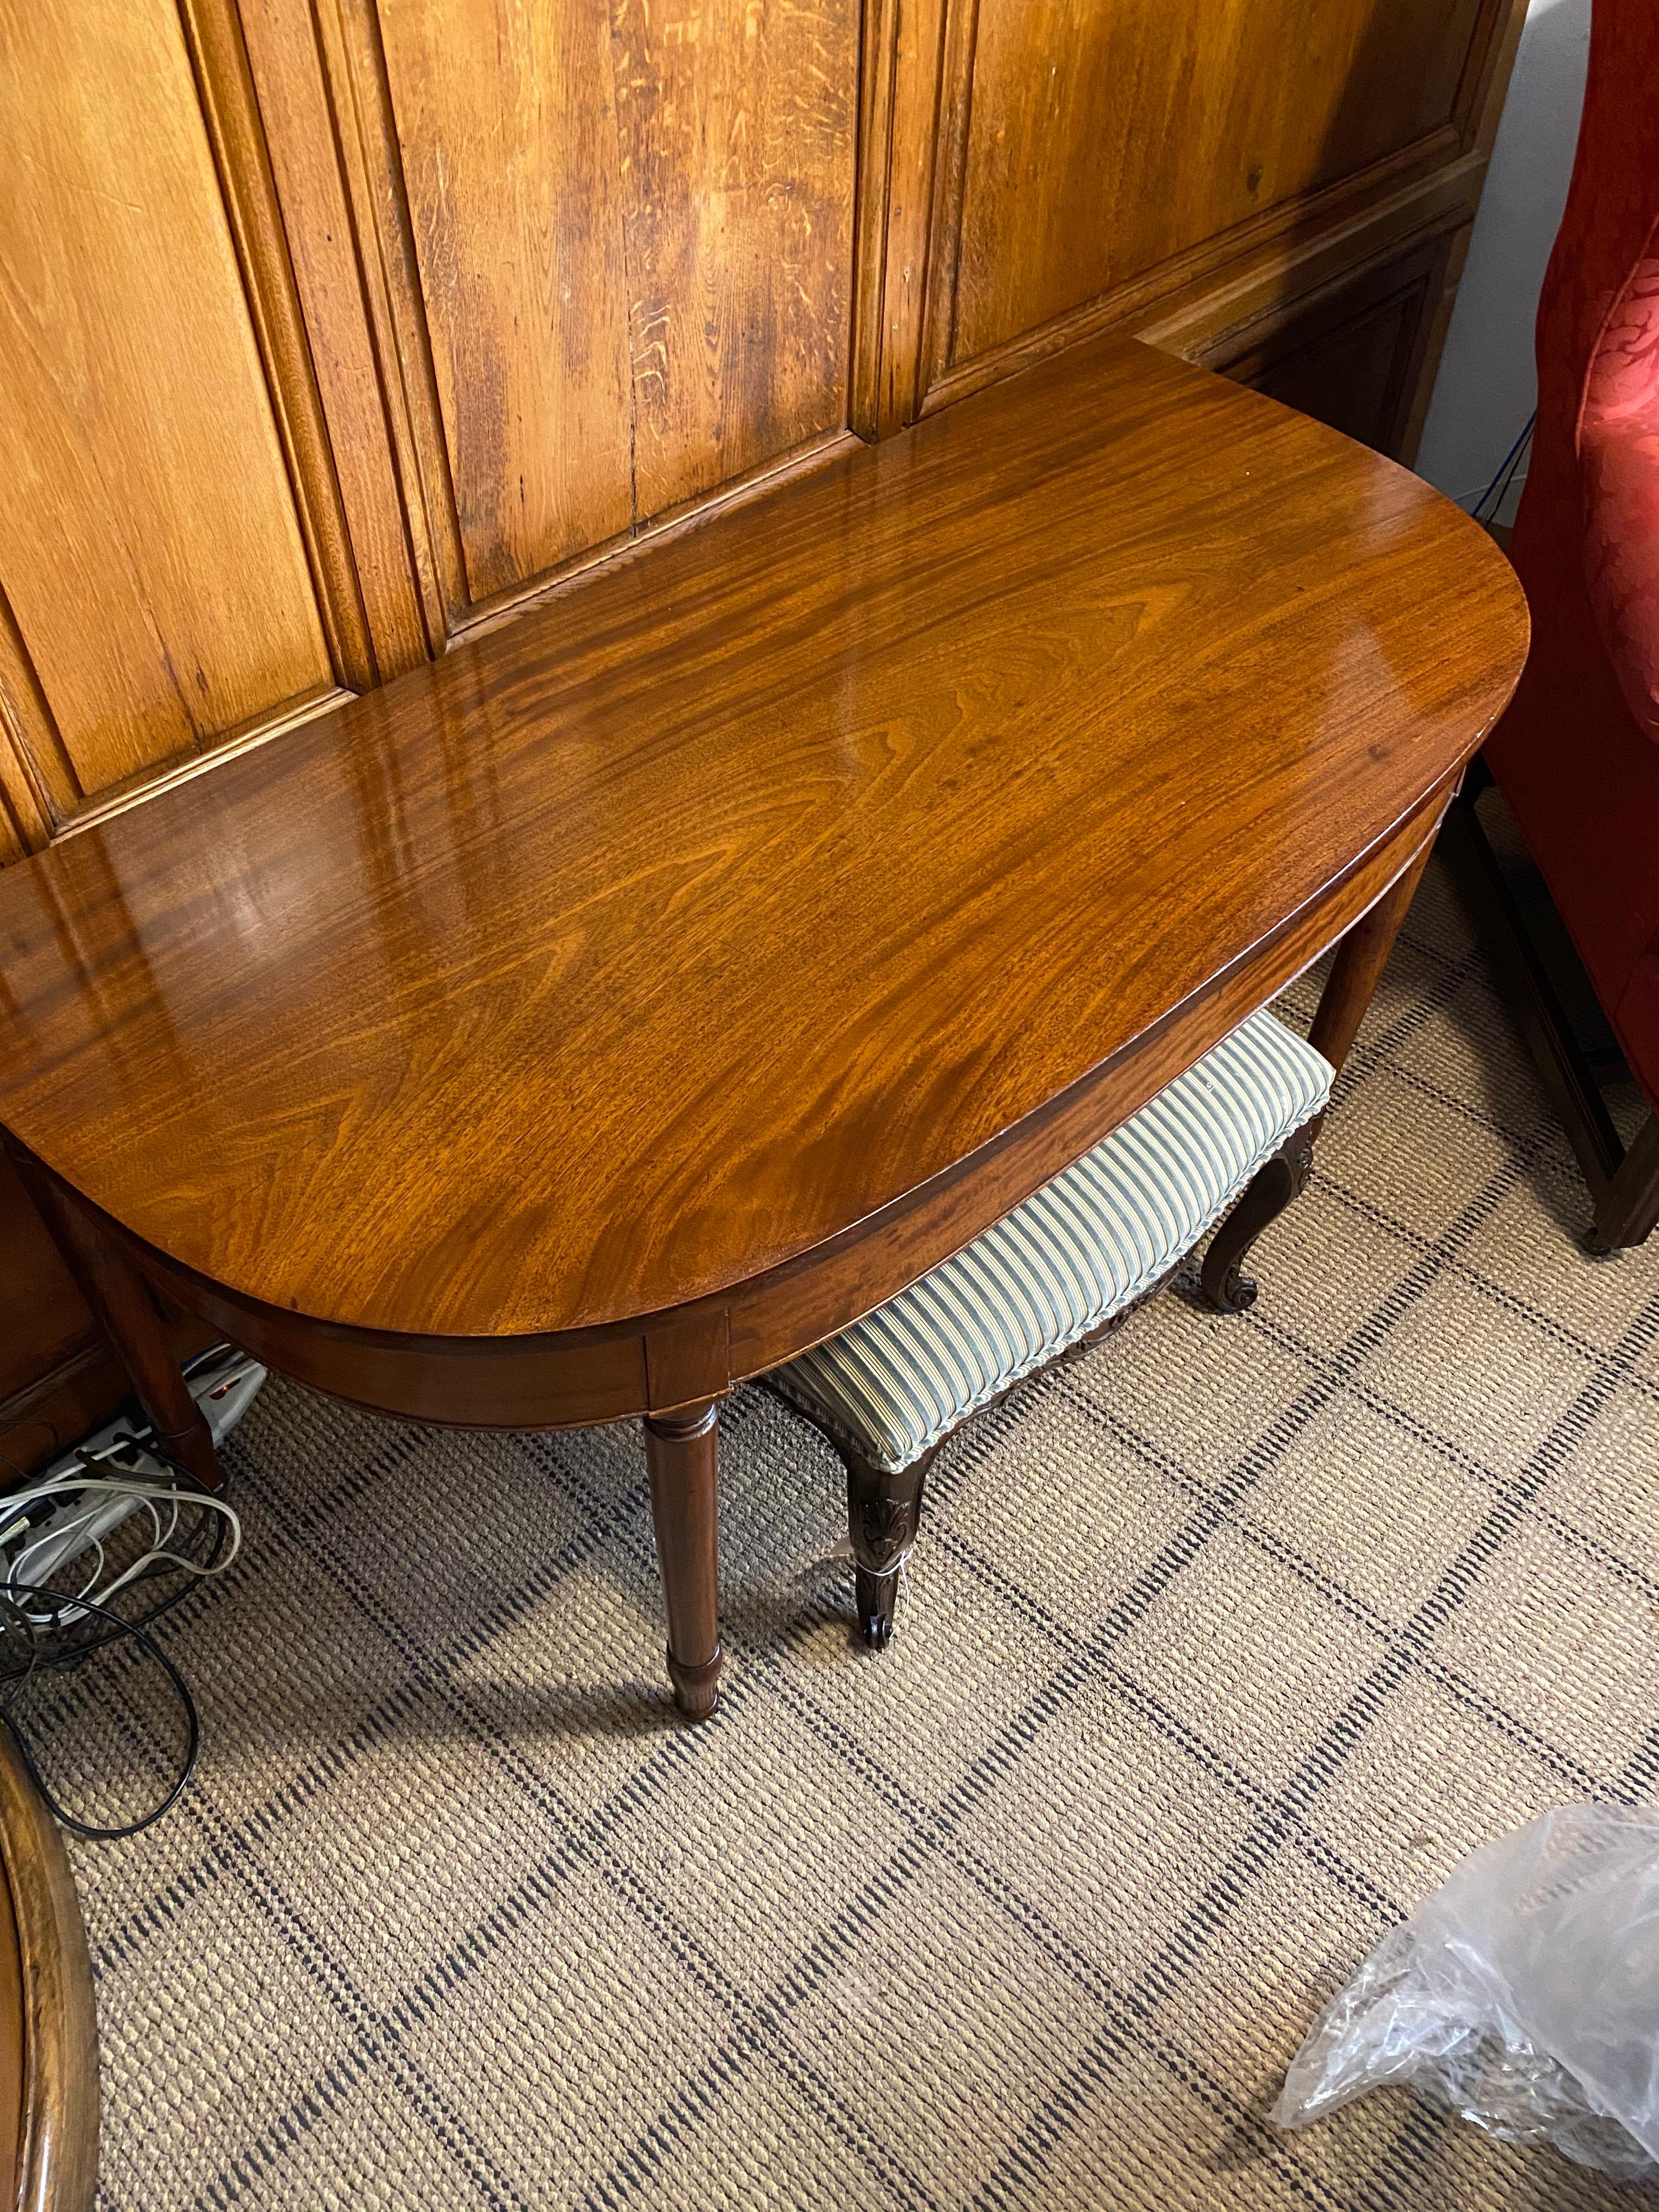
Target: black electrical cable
<point>1508,479</point>
<point>1506,469</point>
<point>36,1663</point>
<point>47,1600</point>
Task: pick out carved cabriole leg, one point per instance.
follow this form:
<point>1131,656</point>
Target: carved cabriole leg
<point>120,1300</point>
<point>1360,959</point>
<point>884,1512</point>
<point>682,1451</point>
<point>1270,1190</point>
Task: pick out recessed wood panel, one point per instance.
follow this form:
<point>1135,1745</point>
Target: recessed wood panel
<point>331,270</point>
<point>1105,136</point>
<point>633,229</point>
<point>148,544</point>
<point>1346,374</point>
<point>738,120</point>
<point>507,124</point>
<point>1350,354</point>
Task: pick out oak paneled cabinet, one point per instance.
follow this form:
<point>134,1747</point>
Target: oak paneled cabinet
<point>331,329</point>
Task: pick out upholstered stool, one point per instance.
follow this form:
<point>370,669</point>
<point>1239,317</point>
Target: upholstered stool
<point>1054,1275</point>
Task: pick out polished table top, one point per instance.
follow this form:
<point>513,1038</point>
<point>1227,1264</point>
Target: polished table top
<point>639,947</point>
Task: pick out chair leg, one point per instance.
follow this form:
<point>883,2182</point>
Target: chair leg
<point>1270,1190</point>
<point>1624,1186</point>
<point>884,1513</point>
<point>1627,1206</point>
<point>1360,959</point>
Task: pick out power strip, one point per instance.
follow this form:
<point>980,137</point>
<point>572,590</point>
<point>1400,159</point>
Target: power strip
<point>224,1383</point>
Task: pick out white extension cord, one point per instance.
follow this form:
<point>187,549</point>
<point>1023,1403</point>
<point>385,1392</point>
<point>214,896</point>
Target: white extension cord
<point>110,1476</point>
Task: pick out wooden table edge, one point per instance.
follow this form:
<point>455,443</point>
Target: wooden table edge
<point>56,2167</point>
<point>687,1354</point>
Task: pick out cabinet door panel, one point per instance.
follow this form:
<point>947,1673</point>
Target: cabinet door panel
<point>148,542</point>
<point>1106,137</point>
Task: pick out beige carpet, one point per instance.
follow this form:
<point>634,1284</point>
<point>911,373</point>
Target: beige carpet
<point>1222,1646</point>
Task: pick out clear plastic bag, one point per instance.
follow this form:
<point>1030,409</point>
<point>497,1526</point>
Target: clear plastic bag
<point>1524,1996</point>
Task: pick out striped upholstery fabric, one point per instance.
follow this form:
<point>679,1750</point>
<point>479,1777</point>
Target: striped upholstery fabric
<point>1084,1246</point>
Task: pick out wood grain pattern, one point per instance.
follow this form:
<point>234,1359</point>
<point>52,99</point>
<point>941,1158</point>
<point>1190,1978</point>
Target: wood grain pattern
<point>737,121</point>
<point>505,115</point>
<point>632,227</point>
<point>150,548</point>
<point>653,941</point>
<point>601,1372</point>
<point>1072,184</point>
<point>57,2155</point>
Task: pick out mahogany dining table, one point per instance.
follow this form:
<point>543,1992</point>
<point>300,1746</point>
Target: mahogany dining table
<point>647,988</point>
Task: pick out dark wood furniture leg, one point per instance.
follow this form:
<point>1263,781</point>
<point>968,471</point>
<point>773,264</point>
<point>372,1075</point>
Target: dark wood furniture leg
<point>1269,1191</point>
<point>1627,1209</point>
<point>1624,1186</point>
<point>120,1300</point>
<point>884,1514</point>
<point>1360,959</point>
<point>884,1511</point>
<point>681,1450</point>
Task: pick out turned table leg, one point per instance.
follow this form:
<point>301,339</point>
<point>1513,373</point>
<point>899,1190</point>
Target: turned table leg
<point>120,1299</point>
<point>1360,959</point>
<point>682,1451</point>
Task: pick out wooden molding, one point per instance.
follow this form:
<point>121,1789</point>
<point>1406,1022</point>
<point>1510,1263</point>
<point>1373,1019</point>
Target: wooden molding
<point>354,66</point>
<point>28,1408</point>
<point>1192,319</point>
<point>1436,326</point>
<point>225,89</point>
<point>304,141</point>
<point>1486,74</point>
<point>877,67</point>
<point>1186,306</point>
<point>361,55</point>
<point>907,203</point>
<point>24,824</point>
<point>955,112</point>
<point>122,796</point>
<point>502,606</point>
<point>38,788</point>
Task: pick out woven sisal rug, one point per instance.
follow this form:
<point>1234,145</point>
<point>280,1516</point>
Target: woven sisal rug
<point>1220,1648</point>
